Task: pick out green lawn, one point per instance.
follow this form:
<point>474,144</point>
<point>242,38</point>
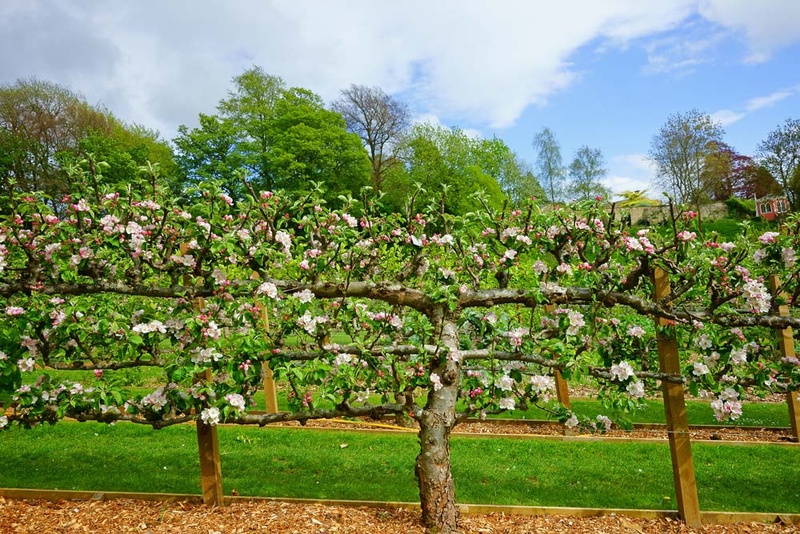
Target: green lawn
<point>293,462</point>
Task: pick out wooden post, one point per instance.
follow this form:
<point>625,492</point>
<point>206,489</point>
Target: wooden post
<point>210,465</point>
<point>207,440</point>
<point>786,344</point>
<point>675,407</point>
<point>562,390</point>
<point>270,393</point>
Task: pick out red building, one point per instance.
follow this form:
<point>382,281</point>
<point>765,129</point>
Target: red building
<point>771,207</point>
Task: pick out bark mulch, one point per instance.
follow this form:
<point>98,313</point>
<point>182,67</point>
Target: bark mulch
<point>142,517</point>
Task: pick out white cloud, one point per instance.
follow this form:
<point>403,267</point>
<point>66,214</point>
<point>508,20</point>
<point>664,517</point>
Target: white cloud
<point>162,63</point>
<point>754,104</point>
<point>727,116</point>
<point>632,172</point>
<point>766,24</point>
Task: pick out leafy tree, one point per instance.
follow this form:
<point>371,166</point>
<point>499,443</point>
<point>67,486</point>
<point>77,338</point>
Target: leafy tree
<point>586,172</point>
<point>210,152</point>
<point>548,164</point>
<point>282,137</point>
<point>512,172</point>
<point>308,143</point>
<point>39,120</point>
<point>727,174</point>
<point>680,150</point>
<point>779,154</point>
<point>45,127</point>
<point>447,160</point>
<point>250,108</point>
<point>380,121</point>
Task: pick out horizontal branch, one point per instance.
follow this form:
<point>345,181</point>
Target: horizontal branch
<point>105,366</point>
<point>342,410</point>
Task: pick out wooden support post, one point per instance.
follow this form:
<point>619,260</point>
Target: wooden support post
<point>207,440</point>
<point>210,465</point>
<point>270,393</point>
<point>675,407</point>
<point>562,390</point>
<point>786,344</point>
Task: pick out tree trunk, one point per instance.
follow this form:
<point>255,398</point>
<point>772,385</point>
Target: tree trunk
<point>437,493</point>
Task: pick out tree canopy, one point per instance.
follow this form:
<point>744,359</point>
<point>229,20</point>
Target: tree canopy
<point>380,121</point>
<point>468,172</point>
<point>779,153</point>
<point>586,172</point>
<point>680,150</point>
<point>45,128</point>
<point>280,137</point>
<point>549,166</point>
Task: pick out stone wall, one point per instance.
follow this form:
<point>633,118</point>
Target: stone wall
<point>660,214</point>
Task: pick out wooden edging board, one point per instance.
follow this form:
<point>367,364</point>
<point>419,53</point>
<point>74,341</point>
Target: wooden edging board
<point>717,518</point>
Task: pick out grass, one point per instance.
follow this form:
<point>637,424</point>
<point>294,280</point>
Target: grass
<point>290,462</point>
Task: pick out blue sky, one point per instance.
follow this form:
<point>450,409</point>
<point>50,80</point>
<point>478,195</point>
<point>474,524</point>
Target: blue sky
<point>606,73</point>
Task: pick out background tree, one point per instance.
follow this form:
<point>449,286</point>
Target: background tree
<point>727,174</point>
<point>308,143</point>
<point>250,107</point>
<point>680,150</point>
<point>282,137</point>
<point>211,152</point>
<point>548,164</point>
<point>380,121</point>
<point>38,120</point>
<point>439,158</point>
<point>514,175</point>
<point>585,172</point>
<point>45,127</point>
<point>779,153</point>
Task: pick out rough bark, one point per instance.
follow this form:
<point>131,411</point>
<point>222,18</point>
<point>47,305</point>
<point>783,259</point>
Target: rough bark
<point>436,488</point>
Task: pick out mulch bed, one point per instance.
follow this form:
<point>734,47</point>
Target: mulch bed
<point>500,427</point>
<point>122,516</point>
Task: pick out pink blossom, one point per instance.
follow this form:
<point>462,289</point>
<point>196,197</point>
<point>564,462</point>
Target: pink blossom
<point>768,237</point>
<point>686,236</point>
<point>635,330</point>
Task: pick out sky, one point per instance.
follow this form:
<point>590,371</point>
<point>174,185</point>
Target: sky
<point>601,73</point>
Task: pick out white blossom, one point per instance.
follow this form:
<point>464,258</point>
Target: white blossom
<point>25,365</point>
<point>304,296</point>
<point>621,371</point>
<point>267,288</point>
<point>572,422</point>
<point>507,403</point>
<point>210,416</point>
<point>236,401</point>
<point>635,389</point>
<point>506,383</point>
